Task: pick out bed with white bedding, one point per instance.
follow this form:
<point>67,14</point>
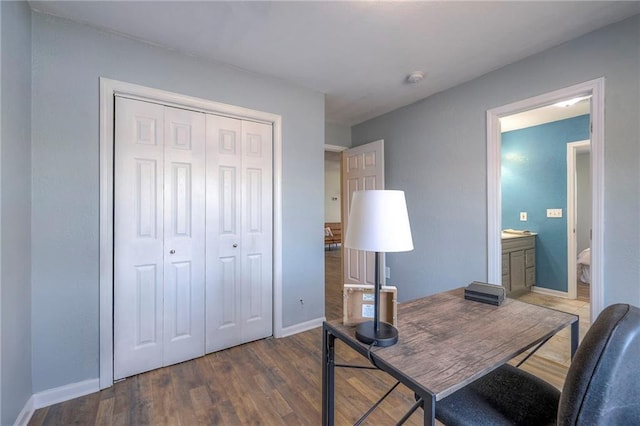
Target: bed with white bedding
<point>584,266</point>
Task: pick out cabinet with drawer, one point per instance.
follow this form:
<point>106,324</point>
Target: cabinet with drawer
<point>518,263</point>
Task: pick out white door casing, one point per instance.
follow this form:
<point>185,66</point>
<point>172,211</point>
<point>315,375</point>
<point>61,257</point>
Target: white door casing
<point>239,232</point>
<point>596,89</point>
<point>159,236</point>
<point>109,90</point>
<point>362,169</point>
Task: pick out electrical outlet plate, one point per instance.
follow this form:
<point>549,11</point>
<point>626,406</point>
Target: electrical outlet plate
<point>555,213</point>
<point>523,216</point>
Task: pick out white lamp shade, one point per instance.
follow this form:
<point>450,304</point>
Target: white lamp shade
<point>378,221</point>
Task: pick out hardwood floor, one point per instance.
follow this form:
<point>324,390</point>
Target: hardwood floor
<point>273,382</point>
<point>584,291</point>
<point>333,283</point>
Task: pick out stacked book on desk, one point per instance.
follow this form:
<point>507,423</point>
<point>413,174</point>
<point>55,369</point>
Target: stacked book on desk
<point>485,293</point>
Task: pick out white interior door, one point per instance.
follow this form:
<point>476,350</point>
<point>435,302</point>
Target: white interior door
<point>239,232</point>
<point>158,236</point>
<point>362,168</point>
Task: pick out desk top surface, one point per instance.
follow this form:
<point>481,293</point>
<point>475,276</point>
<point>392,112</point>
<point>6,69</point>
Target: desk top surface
<point>445,342</point>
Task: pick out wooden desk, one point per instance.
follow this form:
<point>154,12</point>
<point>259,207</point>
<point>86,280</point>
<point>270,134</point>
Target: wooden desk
<point>446,342</point>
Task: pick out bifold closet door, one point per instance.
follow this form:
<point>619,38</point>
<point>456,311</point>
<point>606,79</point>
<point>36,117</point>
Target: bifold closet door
<point>159,196</point>
<point>239,232</point>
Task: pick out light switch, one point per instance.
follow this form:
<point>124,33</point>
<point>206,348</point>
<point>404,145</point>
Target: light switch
<point>555,213</point>
<point>523,216</point>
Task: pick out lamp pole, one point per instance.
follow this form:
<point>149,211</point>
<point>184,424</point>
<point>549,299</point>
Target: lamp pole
<point>376,296</point>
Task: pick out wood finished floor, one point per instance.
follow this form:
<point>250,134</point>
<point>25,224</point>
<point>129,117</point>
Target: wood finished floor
<point>272,382</point>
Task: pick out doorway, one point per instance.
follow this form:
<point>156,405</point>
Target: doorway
<point>595,89</point>
<point>361,168</point>
<point>538,207</point>
<point>333,231</point>
<point>579,218</point>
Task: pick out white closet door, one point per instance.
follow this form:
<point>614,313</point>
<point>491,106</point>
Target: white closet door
<point>224,159</point>
<point>138,237</point>
<point>158,236</point>
<point>257,235</point>
<point>239,232</point>
<point>184,203</point>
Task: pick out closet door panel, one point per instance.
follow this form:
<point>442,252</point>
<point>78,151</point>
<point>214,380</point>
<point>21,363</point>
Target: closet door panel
<point>257,228</point>
<point>138,237</point>
<point>223,230</point>
<point>184,239</point>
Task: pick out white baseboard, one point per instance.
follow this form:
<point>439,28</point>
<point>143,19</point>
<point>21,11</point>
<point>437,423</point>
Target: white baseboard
<point>65,393</point>
<point>550,292</point>
<point>26,413</point>
<point>54,396</point>
<point>299,328</point>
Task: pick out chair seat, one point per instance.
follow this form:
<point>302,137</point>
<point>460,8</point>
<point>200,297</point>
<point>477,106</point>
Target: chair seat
<point>506,396</point>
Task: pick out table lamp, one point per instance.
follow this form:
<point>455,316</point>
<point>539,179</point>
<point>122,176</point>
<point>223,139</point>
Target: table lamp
<point>378,222</point>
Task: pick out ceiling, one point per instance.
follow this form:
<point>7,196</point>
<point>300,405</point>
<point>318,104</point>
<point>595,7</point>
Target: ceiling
<point>542,115</point>
<point>357,53</point>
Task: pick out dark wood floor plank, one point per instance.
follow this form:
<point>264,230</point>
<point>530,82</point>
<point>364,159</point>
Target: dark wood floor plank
<point>38,418</point>
<point>123,397</point>
<point>81,411</point>
<point>203,407</point>
<point>184,379</point>
<point>222,385</point>
<point>104,416</point>
<point>167,409</point>
<point>54,415</point>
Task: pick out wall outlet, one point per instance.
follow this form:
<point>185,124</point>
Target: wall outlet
<point>523,216</point>
<point>387,272</point>
<point>554,213</point>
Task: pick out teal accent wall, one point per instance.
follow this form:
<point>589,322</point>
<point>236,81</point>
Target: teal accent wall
<point>534,179</point>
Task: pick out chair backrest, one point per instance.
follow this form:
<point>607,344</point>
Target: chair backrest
<point>603,383</point>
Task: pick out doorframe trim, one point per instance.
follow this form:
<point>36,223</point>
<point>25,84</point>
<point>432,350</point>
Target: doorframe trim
<point>108,90</point>
<point>334,148</point>
<point>595,88</point>
<point>573,149</point>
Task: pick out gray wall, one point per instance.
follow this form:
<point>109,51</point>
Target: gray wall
<point>337,134</point>
<point>68,59</point>
<point>15,206</point>
<point>436,151</point>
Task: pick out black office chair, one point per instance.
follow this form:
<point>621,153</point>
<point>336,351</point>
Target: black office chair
<point>602,385</point>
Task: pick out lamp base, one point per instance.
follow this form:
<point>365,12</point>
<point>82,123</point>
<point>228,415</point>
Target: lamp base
<point>387,334</point>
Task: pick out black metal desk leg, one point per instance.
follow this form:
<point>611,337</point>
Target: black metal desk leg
<point>575,336</point>
<point>429,406</point>
<point>328,376</point>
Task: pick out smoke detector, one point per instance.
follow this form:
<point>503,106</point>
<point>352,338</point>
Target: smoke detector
<point>415,77</point>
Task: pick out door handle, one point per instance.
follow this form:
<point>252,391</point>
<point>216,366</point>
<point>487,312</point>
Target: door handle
<point>235,245</point>
<point>172,251</point>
